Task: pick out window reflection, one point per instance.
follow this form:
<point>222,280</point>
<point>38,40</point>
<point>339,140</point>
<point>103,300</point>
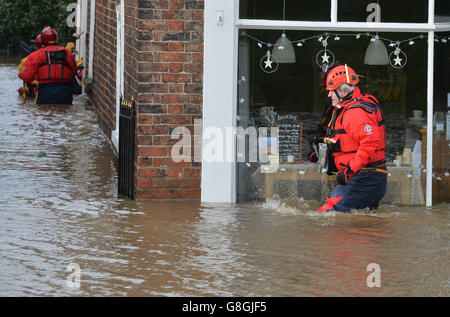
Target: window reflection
<point>294,94</point>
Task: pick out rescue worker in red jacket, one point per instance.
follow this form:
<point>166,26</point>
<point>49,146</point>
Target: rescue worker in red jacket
<point>29,90</point>
<point>54,67</point>
<point>356,141</point>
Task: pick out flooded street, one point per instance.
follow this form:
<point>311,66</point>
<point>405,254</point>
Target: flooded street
<point>63,209</point>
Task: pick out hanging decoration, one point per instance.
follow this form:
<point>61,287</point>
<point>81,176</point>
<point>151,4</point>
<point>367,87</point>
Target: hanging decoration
<point>268,63</point>
<point>397,58</point>
<point>324,57</point>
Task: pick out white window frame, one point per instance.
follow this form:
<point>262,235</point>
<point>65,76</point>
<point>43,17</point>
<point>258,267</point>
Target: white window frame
<point>220,79</point>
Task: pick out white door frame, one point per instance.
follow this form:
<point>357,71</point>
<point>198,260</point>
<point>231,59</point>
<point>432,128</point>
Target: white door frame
<point>91,40</point>
<point>120,67</point>
<point>220,81</point>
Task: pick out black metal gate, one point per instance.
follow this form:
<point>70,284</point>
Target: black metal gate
<point>127,130</point>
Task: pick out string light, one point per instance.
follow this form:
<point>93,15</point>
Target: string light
<point>337,37</point>
<point>373,37</point>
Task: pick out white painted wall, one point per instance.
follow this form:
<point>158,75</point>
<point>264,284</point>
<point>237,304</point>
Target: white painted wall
<point>219,95</point>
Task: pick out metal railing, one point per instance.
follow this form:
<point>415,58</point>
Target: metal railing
<point>127,132</point>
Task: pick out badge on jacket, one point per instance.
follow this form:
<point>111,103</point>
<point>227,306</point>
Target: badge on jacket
<point>368,129</point>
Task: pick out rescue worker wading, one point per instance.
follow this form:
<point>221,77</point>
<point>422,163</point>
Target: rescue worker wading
<point>54,67</point>
<point>356,141</point>
<point>29,90</point>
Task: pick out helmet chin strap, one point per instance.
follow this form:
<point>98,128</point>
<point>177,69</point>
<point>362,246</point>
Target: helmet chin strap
<point>344,98</point>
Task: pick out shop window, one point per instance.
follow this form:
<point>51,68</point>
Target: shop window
<point>405,11</point>
<point>289,96</point>
<point>318,10</point>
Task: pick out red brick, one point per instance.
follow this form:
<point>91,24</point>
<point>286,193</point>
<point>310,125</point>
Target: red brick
<point>175,172</point>
<point>176,25</point>
<point>168,15</point>
<point>193,47</point>
<point>176,78</point>
<point>193,68</point>
<point>159,183</point>
<point>176,89</point>
<point>197,15</point>
<point>176,4</point>
<point>176,46</point>
<point>153,67</point>
<point>153,130</point>
<point>164,140</point>
<point>197,57</point>
<point>150,25</point>
<point>151,172</point>
<point>144,119</point>
<point>175,109</point>
<point>169,162</point>
<point>153,193</point>
<point>192,172</point>
<point>196,99</point>
<point>152,151</point>
<point>176,119</point>
<point>143,182</point>
<point>144,161</point>
<point>175,57</point>
<point>174,99</point>
<point>144,140</point>
<point>175,193</point>
<point>179,183</point>
<point>196,183</point>
<point>192,193</point>
<point>176,67</point>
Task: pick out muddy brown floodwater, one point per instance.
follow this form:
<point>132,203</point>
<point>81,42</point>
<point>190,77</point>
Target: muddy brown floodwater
<point>62,209</point>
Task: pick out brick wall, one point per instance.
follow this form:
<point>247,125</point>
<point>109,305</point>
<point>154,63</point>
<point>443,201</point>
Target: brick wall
<point>104,65</point>
<point>169,94</point>
<point>164,72</point>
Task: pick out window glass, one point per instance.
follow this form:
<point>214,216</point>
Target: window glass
<point>406,11</point>
<point>442,11</point>
<point>441,116</point>
<point>290,97</point>
<point>300,10</point>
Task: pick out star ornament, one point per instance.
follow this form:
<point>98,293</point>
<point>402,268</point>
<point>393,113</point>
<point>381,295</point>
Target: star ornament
<point>398,61</point>
<point>325,58</point>
<point>268,63</point>
<point>398,58</point>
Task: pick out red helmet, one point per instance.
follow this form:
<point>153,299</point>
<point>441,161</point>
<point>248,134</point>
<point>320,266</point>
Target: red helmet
<point>339,75</point>
<point>38,41</point>
<point>49,36</point>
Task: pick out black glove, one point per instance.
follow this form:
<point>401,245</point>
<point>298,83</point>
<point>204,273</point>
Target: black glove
<point>313,158</point>
<point>344,176</point>
<point>317,140</point>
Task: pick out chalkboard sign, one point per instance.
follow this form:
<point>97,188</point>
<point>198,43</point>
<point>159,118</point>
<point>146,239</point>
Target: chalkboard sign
<point>288,136</point>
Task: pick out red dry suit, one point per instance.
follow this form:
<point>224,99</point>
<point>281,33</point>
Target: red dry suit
<point>356,134</point>
<point>51,64</point>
